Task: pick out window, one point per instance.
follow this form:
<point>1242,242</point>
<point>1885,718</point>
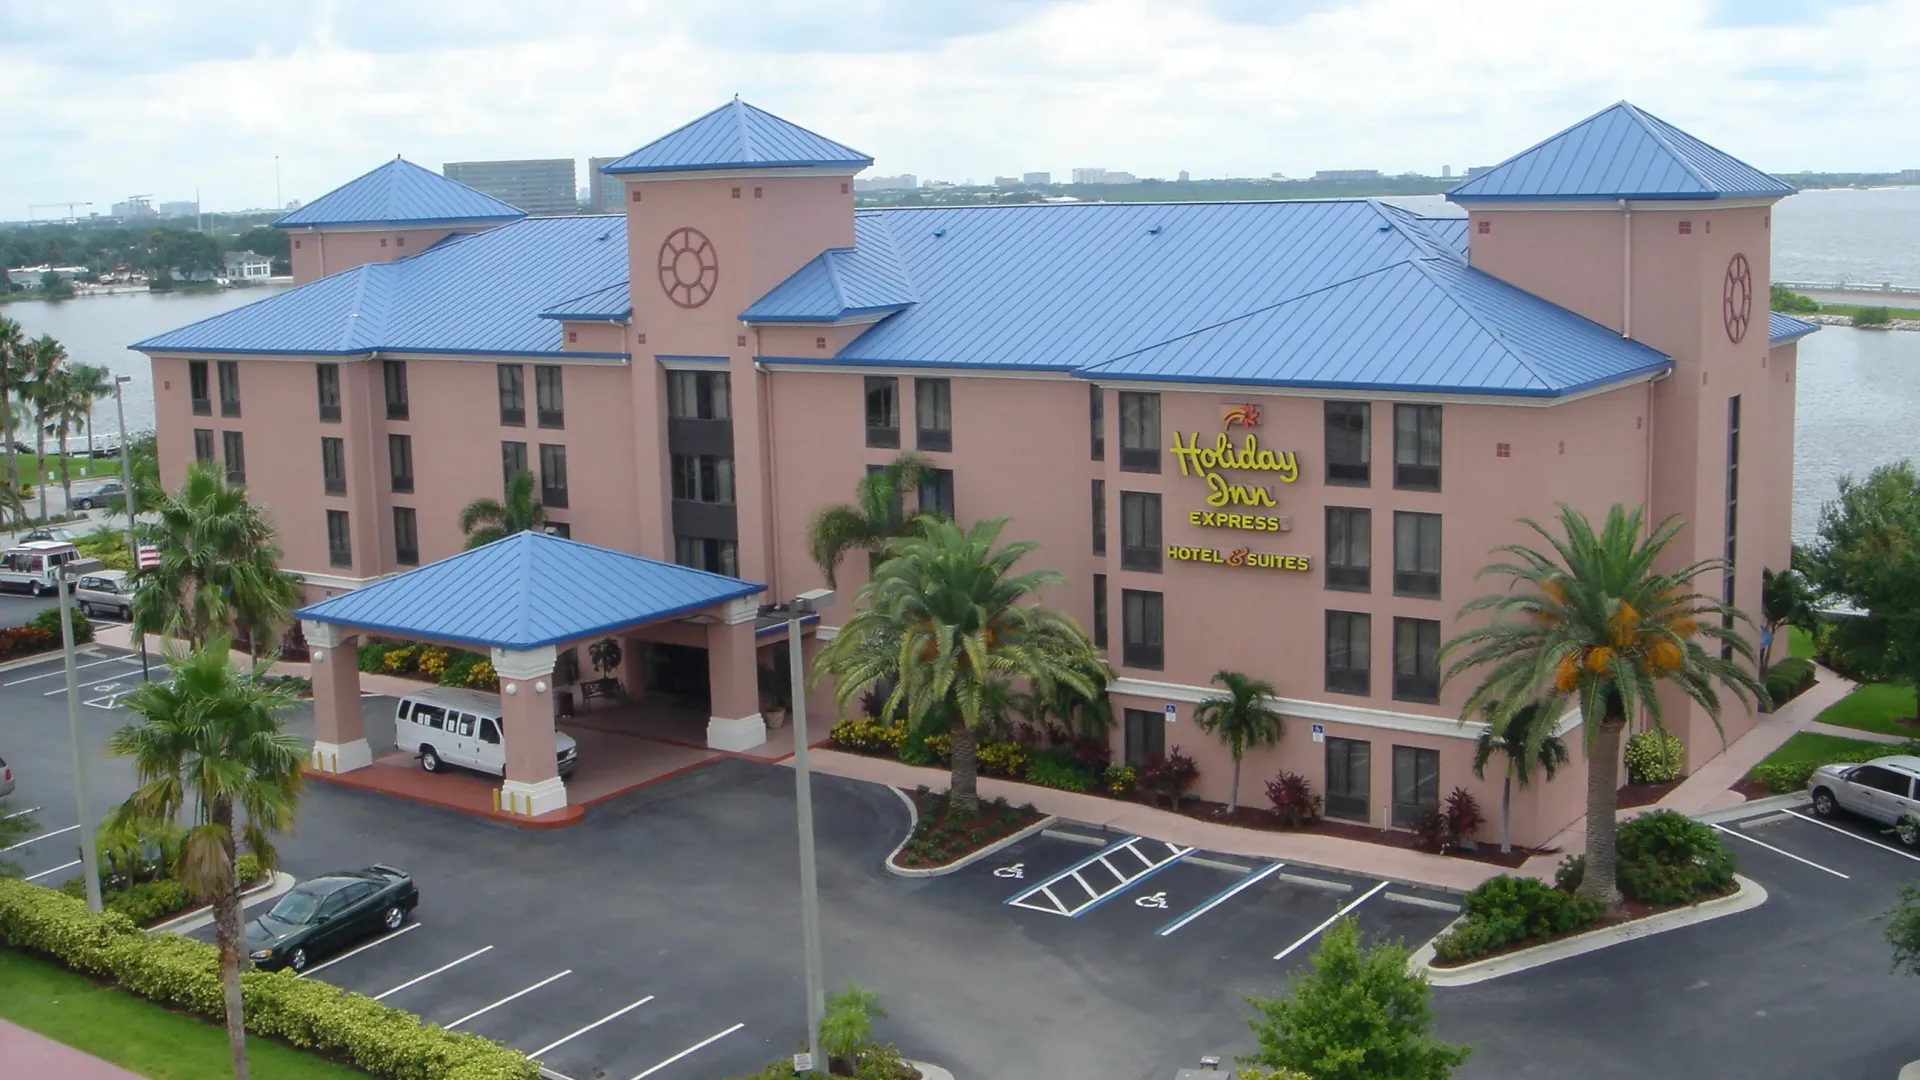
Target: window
<point>547,396</point>
<point>699,395</point>
<point>933,414</point>
<point>406,536</point>
<point>1099,517</point>
<point>553,475</point>
<point>197,388</point>
<point>1146,736</point>
<point>229,387</point>
<point>1099,611</point>
<point>513,395</point>
<point>1882,779</point>
<point>883,411</point>
<point>1416,660</point>
<point>1097,422</point>
<point>234,449</point>
<point>1416,554</point>
<point>513,459</point>
<point>328,376</point>
<point>333,465</point>
<point>1349,548</point>
<point>560,529</point>
<point>1349,778</point>
<point>1349,652</point>
<point>203,445</point>
<point>489,731</point>
<point>395,374</point>
<point>1140,530</point>
<point>706,553</point>
<point>702,478</point>
<point>936,493</point>
<point>1139,432</point>
<point>1141,614</point>
<point>432,716</point>
<point>400,462</point>
<point>1731,547</point>
<point>1416,784</point>
<point>897,507</point>
<point>1349,443</point>
<point>1416,447</point>
<point>339,541</point>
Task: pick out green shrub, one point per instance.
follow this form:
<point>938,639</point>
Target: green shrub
<point>919,748</point>
<point>1120,780</point>
<point>1798,668</point>
<point>1570,873</point>
<point>369,656</point>
<point>866,736</point>
<point>182,973</point>
<point>1002,759</point>
<point>1872,316</point>
<point>49,620</point>
<point>1055,767</point>
<point>1654,756</point>
<point>1669,858</point>
<point>1504,911</point>
<point>1785,299</point>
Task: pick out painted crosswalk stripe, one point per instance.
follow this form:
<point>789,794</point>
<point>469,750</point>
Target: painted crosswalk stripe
<point>708,1041</point>
<point>1335,917</point>
<point>1073,906</point>
<point>1221,897</point>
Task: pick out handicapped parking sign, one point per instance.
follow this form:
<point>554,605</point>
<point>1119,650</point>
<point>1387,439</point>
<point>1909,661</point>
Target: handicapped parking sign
<point>1319,733</point>
<point>1173,713</point>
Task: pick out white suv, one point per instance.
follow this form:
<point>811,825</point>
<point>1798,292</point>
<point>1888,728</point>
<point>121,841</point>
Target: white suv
<point>1882,790</point>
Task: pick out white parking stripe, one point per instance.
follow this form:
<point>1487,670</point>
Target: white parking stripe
<point>610,1016</point>
<point>409,928</point>
<point>477,1013</point>
<point>108,683</point>
<point>22,813</point>
<point>1781,851</point>
<point>36,839</point>
<point>1233,890</point>
<point>1855,835</point>
<point>708,1041</point>
<point>55,870</point>
<point>1335,917</point>
<point>62,669</point>
<point>431,974</point>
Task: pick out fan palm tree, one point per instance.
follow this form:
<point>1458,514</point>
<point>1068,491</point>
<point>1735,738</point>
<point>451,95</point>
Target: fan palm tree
<point>45,358</point>
<point>13,363</point>
<point>487,520</point>
<point>1239,719</point>
<point>873,518</point>
<point>1595,622</point>
<point>208,746</point>
<point>218,564</point>
<point>1525,739</point>
<point>944,618</point>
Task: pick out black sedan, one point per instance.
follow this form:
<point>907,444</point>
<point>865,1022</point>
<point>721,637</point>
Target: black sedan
<point>321,915</point>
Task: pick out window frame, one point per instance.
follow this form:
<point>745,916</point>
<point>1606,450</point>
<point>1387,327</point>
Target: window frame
<point>399,463</point>
<point>724,551</point>
<point>1341,800</point>
<point>1426,430</point>
<point>233,449</point>
<point>1150,652</point>
<point>549,397</point>
<point>404,553</point>
<point>691,475</point>
<point>1336,418</point>
<point>1139,431</point>
<point>1347,678</point>
<point>882,436</point>
<point>1416,687</point>
<point>1141,530</point>
<point>513,459</point>
<point>711,389</point>
<point>1099,611</point>
<point>1099,517</point>
<point>333,464</point>
<point>1425,796</point>
<point>1411,576</point>
<point>205,451</point>
<point>199,388</point>
<point>1341,575</point>
<point>510,382</point>
<point>393,381</point>
<point>327,391</point>
<point>1137,751</point>
<point>339,540</point>
<point>228,372</point>
<point>553,460</point>
<point>933,414</point>
<point>938,483</point>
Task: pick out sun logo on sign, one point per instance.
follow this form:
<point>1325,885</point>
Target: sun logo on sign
<point>1246,415</point>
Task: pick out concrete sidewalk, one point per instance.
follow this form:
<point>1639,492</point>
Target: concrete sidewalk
<point>26,1054</point>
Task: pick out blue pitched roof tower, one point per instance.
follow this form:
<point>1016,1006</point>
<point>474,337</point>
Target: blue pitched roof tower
<point>738,136</point>
<point>403,194</point>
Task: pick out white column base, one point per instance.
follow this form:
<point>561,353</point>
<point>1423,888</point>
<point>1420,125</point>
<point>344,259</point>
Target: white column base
<point>532,800</point>
<point>340,757</point>
<point>736,735</point>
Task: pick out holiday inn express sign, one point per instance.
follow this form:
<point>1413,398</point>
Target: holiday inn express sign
<point>1211,464</point>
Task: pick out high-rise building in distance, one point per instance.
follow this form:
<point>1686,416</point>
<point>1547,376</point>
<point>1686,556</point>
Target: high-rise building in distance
<point>1036,178</point>
<point>603,191</point>
<point>538,186</point>
<point>903,182</point>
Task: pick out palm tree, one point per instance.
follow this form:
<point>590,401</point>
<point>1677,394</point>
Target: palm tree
<point>487,520</point>
<point>218,563</point>
<point>873,519</point>
<point>209,745</point>
<point>70,397</point>
<point>944,617</point>
<point>1526,739</point>
<point>1239,719</point>
<point>45,357</point>
<point>1594,621</point>
<point>13,362</point>
<point>91,382</point>
<point>12,506</point>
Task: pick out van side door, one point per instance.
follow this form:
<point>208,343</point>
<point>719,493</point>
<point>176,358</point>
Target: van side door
<point>492,752</point>
<point>429,727</point>
<point>460,736</point>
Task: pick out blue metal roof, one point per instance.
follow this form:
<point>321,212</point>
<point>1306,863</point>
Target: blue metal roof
<point>738,136</point>
<point>400,193</point>
<point>528,590</point>
<point>1620,152</point>
<point>1782,328</point>
<point>1451,230</point>
<point>611,304</point>
<point>865,279</point>
<point>483,293</point>
<point>1419,325</point>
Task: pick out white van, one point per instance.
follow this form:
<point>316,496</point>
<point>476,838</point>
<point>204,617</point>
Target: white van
<point>34,566</point>
<point>445,726</point>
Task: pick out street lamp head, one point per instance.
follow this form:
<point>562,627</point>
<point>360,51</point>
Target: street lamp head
<point>814,600</point>
<point>123,378</point>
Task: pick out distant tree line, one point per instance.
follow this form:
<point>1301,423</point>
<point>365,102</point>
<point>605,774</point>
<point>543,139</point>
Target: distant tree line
<point>156,250</point>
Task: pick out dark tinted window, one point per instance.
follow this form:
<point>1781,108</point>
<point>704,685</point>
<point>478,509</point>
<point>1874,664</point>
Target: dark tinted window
<point>394,372</point>
<point>699,395</point>
<point>328,378</point>
<point>1099,611</point>
<point>229,387</point>
<point>553,475</point>
<point>936,493</point>
<point>400,462</point>
<point>1416,554</point>
<point>1140,530</point>
<point>1099,517</point>
<point>339,539</point>
<point>933,414</point>
<point>197,387</point>
<point>1349,548</point>
<point>1416,783</point>
<point>883,411</point>
<point>1349,443</point>
<point>1349,652</point>
<point>1142,618</point>
<point>234,448</point>
<point>1416,447</point>
<point>513,459</point>
<point>548,399</point>
<point>1097,422</point>
<point>333,465</point>
<point>1349,778</point>
<point>1416,659</point>
<point>406,536</point>
<point>513,395</point>
<point>1146,736</point>
<point>1139,432</point>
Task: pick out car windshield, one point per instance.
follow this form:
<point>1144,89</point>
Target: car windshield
<point>298,906</point>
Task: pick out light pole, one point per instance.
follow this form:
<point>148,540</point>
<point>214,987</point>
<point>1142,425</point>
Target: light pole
<point>90,864</point>
<point>807,603</point>
<point>126,482</point>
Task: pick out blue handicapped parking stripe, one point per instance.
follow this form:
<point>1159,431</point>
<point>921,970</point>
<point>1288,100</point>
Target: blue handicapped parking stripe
<point>1221,897</point>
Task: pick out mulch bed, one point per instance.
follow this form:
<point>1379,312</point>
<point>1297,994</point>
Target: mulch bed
<point>1632,795</point>
<point>1630,911</point>
<point>939,840</point>
<point>1753,789</point>
<point>1250,817</point>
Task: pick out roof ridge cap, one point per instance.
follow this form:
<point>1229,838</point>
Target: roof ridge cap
<point>361,273</point>
<point>746,135</point>
<point>1648,125</point>
<point>1511,347</point>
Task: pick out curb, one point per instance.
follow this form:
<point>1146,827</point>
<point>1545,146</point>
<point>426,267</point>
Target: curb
<point>1749,896</point>
<point>913,820</point>
<point>1753,808</point>
<point>87,650</point>
<point>278,885</point>
<point>929,1071</point>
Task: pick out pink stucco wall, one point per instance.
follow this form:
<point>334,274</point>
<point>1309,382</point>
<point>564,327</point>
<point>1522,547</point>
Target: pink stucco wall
<point>320,252</point>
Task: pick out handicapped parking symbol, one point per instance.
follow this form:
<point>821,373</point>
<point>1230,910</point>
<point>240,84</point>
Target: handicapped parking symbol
<point>1152,900</point>
<point>1017,870</point>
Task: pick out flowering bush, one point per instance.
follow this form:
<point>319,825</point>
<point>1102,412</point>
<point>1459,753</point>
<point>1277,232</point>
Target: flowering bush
<point>1293,800</point>
<point>433,660</point>
<point>866,736</point>
<point>481,676</point>
<point>1654,756</point>
<point>398,661</point>
<point>1169,776</point>
<point>1002,759</point>
<point>21,640</point>
<point>1120,780</point>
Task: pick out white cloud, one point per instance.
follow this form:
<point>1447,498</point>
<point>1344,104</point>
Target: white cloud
<point>106,98</point>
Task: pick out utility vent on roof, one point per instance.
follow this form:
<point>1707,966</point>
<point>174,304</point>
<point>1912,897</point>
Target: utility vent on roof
<point>939,232</point>
<point>1153,230</point>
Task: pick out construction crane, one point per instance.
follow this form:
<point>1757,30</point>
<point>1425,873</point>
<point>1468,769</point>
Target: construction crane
<point>33,210</point>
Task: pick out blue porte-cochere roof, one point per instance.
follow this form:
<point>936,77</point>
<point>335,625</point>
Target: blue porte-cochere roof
<point>401,193</point>
<point>526,591</point>
<point>1782,328</point>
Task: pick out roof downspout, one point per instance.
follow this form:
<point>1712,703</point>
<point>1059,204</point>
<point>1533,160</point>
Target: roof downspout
<point>1626,269</point>
<point>770,458</point>
<point>1647,518</point>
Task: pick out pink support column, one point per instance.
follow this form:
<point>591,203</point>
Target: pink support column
<point>733,680</point>
<point>533,785</point>
<point>339,731</point>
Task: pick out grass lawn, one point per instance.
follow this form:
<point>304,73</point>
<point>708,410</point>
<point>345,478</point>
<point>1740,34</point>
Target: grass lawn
<point>1799,643</point>
<point>135,1034</point>
<point>78,467</point>
<point>1851,310</point>
<point>1820,748</point>
<point>1875,707</point>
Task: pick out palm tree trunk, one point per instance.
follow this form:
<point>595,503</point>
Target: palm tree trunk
<point>1233,793</point>
<point>963,793</point>
<point>226,921</point>
<point>1603,797</point>
<point>1766,664</point>
<point>40,458</point>
<point>66,470</point>
<point>1506,799</point>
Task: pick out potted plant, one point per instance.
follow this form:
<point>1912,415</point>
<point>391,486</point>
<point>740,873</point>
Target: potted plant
<point>776,696</point>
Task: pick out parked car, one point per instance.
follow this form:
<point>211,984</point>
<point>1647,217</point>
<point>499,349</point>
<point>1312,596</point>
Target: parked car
<point>57,533</point>
<point>99,495</point>
<point>6,778</point>
<point>104,593</point>
<point>320,916</point>
<point>462,727</point>
<point>1881,790</point>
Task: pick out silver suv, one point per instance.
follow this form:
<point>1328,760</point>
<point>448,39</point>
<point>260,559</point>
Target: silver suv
<point>1882,790</point>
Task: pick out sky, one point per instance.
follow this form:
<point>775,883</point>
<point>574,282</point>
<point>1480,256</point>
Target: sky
<point>106,98</point>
